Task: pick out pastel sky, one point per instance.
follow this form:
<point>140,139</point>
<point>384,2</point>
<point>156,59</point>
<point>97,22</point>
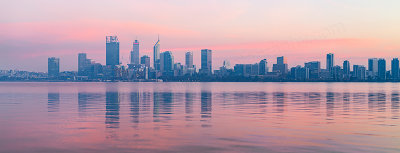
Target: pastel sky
<point>242,31</point>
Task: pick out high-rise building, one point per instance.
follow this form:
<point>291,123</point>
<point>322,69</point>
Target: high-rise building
<point>156,55</point>
<point>82,64</point>
<point>206,61</point>
<point>346,68</point>
<point>313,69</point>
<point>189,59</point>
<point>135,53</point>
<point>373,67</point>
<point>359,72</point>
<point>167,63</point>
<point>263,67</point>
<point>112,51</point>
<point>53,67</point>
<point>395,68</point>
<point>382,69</point>
<point>280,66</point>
<point>145,60</point>
<point>330,62</point>
<point>280,60</point>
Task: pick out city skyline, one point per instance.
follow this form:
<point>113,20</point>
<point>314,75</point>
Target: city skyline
<point>298,30</point>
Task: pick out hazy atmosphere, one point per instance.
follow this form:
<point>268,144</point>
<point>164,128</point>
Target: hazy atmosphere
<point>242,31</point>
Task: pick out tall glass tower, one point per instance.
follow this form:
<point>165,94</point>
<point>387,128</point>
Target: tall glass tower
<point>329,61</point>
<point>189,59</point>
<point>53,67</point>
<point>112,50</point>
<point>206,61</point>
<point>135,53</point>
<point>156,54</point>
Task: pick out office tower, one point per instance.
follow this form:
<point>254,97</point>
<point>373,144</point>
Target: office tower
<point>263,67</point>
<point>395,68</point>
<point>206,61</point>
<point>280,66</point>
<point>313,69</point>
<point>381,69</point>
<point>145,60</point>
<point>280,60</point>
<point>298,73</point>
<point>82,64</point>
<point>329,61</point>
<point>53,67</point>
<point>189,59</point>
<point>346,68</point>
<point>373,67</point>
<point>135,53</point>
<point>112,51</point>
<point>166,63</point>
<point>156,55</point>
<point>359,72</point>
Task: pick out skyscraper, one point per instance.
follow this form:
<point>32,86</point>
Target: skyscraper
<point>189,59</point>
<point>206,61</point>
<point>359,72</point>
<point>112,51</point>
<point>263,67</point>
<point>373,67</point>
<point>82,61</point>
<point>313,69</point>
<point>329,61</point>
<point>53,67</point>
<point>135,53</point>
<point>280,66</point>
<point>145,60</point>
<point>167,63</point>
<point>156,55</point>
<point>381,69</point>
<point>395,68</point>
<point>346,68</point>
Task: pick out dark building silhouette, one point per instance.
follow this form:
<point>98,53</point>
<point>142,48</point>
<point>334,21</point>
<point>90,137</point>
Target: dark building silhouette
<point>346,69</point>
<point>135,53</point>
<point>145,60</point>
<point>280,66</point>
<point>112,51</point>
<point>53,67</point>
<point>263,67</point>
<point>206,62</point>
<point>395,68</point>
<point>167,63</point>
<point>382,69</point>
<point>330,62</point>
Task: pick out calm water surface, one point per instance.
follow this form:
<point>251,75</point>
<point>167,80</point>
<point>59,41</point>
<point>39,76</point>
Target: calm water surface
<point>199,117</point>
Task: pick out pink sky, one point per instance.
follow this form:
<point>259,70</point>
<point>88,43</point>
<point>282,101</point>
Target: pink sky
<point>239,31</point>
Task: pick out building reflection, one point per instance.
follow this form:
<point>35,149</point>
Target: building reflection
<point>206,108</point>
<point>162,107</point>
<point>135,108</point>
<point>53,101</point>
<point>346,102</point>
<point>395,105</point>
<point>330,104</point>
<point>112,109</point>
<point>377,101</point>
<point>189,105</point>
<point>279,100</point>
<point>87,101</point>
